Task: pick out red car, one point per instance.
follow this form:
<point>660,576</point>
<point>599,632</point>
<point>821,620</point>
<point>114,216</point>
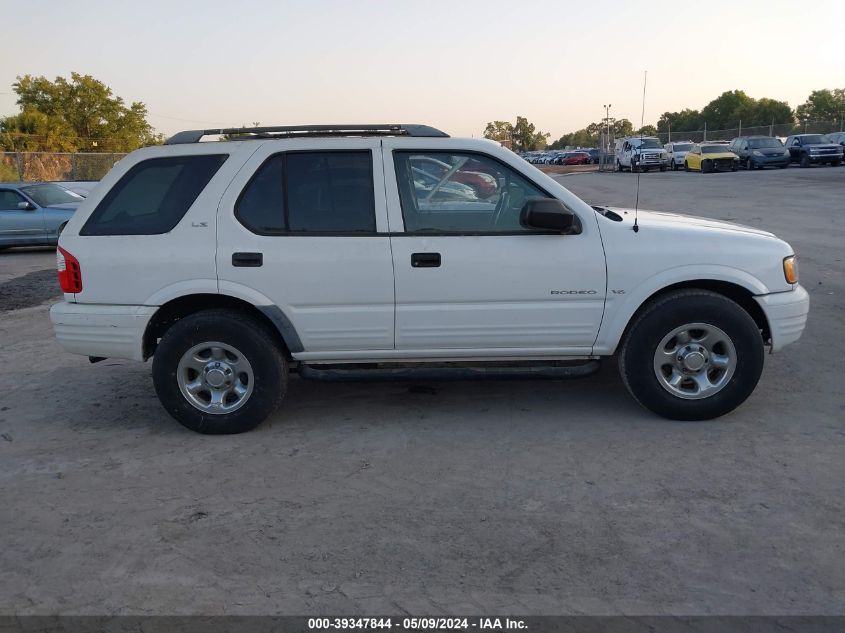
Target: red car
<point>575,158</point>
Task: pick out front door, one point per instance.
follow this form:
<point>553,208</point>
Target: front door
<point>18,225</point>
<point>469,277</point>
<point>306,232</point>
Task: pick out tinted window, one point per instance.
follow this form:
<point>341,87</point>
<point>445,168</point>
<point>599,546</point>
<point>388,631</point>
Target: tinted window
<point>261,205</point>
<point>311,192</point>
<point>153,196</point>
<point>330,192</point>
<point>9,200</point>
<point>454,193</point>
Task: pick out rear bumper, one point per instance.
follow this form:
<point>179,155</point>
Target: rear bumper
<point>786,313</point>
<point>110,331</point>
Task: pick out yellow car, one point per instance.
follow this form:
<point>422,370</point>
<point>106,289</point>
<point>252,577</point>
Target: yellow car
<point>706,157</point>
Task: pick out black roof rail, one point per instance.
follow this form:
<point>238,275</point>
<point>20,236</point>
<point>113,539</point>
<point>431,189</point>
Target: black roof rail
<point>290,131</point>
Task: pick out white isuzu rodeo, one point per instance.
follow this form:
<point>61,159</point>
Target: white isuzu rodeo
<point>229,263</point>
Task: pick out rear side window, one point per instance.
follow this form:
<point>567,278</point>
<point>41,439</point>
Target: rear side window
<point>310,192</point>
<point>153,196</point>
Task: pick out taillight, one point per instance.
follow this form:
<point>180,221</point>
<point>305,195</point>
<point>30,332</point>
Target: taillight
<point>70,273</point>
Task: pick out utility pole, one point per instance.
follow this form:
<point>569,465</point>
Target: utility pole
<point>705,130</point>
<point>772,128</point>
<point>740,128</point>
<point>669,140</point>
<point>606,145</point>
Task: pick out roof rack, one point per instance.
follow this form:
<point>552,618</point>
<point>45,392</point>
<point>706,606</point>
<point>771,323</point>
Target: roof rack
<point>290,131</point>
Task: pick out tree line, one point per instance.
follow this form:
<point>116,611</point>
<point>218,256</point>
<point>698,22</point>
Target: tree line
<point>724,112</point>
<point>77,115</point>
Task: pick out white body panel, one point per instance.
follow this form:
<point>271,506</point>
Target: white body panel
<point>101,330</point>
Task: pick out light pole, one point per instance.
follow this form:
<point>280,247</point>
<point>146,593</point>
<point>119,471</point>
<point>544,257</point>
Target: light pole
<point>606,147</point>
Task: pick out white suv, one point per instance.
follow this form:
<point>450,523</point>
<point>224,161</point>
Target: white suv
<point>232,262</point>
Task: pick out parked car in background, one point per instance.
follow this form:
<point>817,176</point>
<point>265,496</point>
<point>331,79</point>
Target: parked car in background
<point>574,158</point>
<point>34,214</point>
<point>707,157</point>
<point>836,137</point>
<point>640,153</point>
<point>812,149</point>
<point>595,155</point>
<point>80,187</point>
<point>675,153</point>
<point>757,152</point>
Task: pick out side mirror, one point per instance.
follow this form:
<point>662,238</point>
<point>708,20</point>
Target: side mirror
<point>26,206</point>
<point>548,213</point>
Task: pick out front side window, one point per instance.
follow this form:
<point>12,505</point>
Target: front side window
<point>310,192</point>
<point>153,196</point>
<point>445,192</point>
<point>9,200</point>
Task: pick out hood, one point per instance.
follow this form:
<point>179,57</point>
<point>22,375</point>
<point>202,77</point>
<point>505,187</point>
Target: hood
<point>725,154</point>
<point>670,220</point>
<point>68,206</point>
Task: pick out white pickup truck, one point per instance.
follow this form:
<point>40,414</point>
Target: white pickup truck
<point>231,263</point>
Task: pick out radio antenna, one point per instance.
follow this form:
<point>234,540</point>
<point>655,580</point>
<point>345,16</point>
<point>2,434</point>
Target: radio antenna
<point>640,170</point>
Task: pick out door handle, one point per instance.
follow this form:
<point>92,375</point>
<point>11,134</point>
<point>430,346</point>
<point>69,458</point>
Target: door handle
<point>425,260</point>
<point>247,260</point>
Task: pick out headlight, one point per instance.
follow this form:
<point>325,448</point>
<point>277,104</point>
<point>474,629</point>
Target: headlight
<point>757,153</point>
<point>790,269</point>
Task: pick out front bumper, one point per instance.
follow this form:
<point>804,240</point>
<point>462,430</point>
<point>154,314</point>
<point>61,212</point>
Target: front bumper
<point>769,161</point>
<point>110,331</point>
<point>824,158</point>
<point>786,313</point>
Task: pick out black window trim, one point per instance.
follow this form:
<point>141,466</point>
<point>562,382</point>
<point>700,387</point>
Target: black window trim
<point>83,232</point>
<point>286,233</point>
<point>406,233</point>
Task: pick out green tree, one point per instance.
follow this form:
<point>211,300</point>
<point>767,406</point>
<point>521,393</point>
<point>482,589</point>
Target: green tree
<point>81,114</point>
<point>823,105</point>
<point>499,130</point>
<point>726,110</point>
<point>686,120</point>
<point>647,130</point>
<point>767,111</point>
<point>523,133</point>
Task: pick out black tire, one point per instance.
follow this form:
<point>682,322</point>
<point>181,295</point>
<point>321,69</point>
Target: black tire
<point>783,166</point>
<point>686,166</point>
<point>242,332</point>
<point>805,161</point>
<point>836,163</point>
<point>663,168</point>
<point>749,164</point>
<point>635,168</point>
<point>618,166</point>
<point>674,165</point>
<point>734,166</point>
<point>675,309</point>
<point>705,166</point>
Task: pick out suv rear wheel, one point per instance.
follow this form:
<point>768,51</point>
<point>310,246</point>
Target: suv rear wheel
<point>219,372</point>
<point>692,355</point>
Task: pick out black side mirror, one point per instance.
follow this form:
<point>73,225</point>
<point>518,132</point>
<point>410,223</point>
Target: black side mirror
<point>548,213</point>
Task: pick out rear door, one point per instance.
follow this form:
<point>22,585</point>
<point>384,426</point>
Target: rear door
<point>470,281</point>
<point>306,232</point>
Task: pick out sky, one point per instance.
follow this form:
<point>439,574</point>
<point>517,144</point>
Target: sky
<point>452,64</point>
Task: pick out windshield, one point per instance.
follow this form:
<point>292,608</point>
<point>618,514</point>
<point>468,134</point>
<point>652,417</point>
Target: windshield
<point>713,149</point>
<point>650,143</point>
<point>812,139</point>
<point>682,147</point>
<point>759,143</point>
<point>48,195</point>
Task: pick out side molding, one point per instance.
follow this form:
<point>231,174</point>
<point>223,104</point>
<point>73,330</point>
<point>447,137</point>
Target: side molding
<point>285,327</point>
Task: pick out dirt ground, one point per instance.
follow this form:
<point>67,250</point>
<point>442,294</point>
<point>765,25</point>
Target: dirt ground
<point>524,497</point>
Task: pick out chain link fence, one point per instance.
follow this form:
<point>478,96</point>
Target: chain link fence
<point>775,129</point>
<point>55,166</point>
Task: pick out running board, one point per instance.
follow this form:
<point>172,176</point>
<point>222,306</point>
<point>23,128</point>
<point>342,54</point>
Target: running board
<point>397,374</point>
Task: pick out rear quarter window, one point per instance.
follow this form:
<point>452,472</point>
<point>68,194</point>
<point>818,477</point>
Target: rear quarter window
<point>153,196</point>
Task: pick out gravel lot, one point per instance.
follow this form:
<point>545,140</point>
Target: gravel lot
<point>525,497</point>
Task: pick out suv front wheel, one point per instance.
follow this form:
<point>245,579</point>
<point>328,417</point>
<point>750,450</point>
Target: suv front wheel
<point>692,355</point>
<point>219,372</point>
